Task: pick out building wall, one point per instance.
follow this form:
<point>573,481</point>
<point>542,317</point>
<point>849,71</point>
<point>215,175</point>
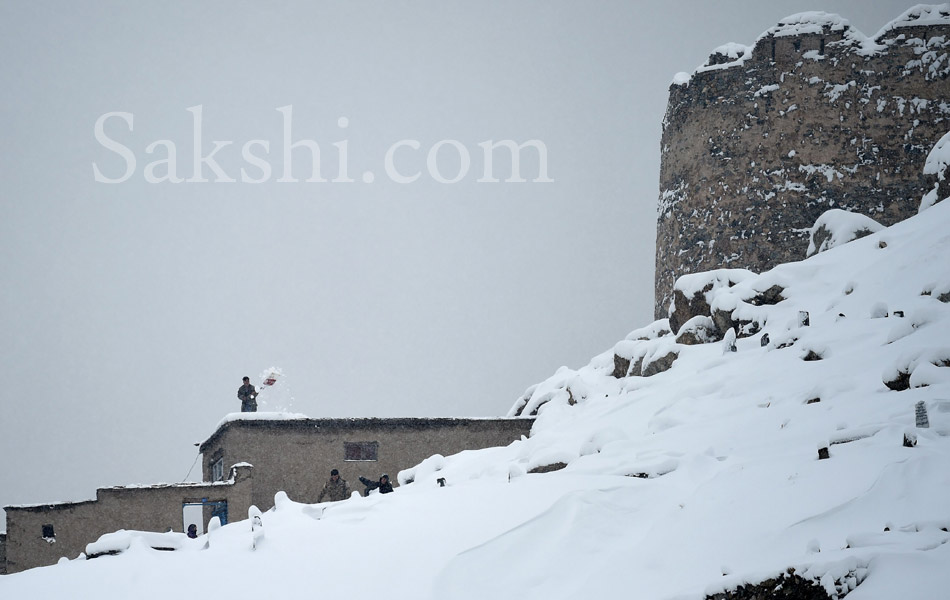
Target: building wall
<point>3,554</point>
<point>76,524</point>
<point>297,456</point>
<point>753,153</point>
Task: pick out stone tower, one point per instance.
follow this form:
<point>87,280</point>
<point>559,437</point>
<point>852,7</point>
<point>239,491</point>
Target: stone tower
<point>761,140</point>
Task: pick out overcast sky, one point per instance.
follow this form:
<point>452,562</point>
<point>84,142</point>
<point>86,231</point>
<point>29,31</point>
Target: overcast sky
<point>131,308</point>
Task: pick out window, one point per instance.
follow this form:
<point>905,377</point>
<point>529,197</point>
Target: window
<point>217,470</point>
<point>360,450</point>
<point>48,533</point>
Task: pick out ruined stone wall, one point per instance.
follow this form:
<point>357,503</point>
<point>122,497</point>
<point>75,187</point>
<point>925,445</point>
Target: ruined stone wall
<point>760,142</point>
<point>296,456</point>
<point>76,524</point>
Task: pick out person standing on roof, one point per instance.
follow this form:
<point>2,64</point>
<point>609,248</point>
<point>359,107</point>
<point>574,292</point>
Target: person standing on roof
<point>248,396</point>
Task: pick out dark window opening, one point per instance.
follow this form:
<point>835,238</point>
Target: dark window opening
<point>822,51</point>
<point>360,450</point>
<point>48,532</point>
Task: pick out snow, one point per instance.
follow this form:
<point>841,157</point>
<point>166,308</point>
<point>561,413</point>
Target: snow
<point>685,483</point>
<point>939,158</point>
<point>259,416</point>
<point>808,22</point>
<point>650,332</point>
<point>920,15</point>
<point>714,280</point>
<point>739,53</point>
<point>122,540</point>
<point>681,78</point>
<point>841,227</point>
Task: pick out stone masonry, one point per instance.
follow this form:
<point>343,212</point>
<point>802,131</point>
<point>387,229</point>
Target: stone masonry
<point>762,140</point>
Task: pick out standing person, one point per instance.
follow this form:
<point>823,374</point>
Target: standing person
<point>248,396</point>
<point>335,488</point>
<point>382,485</point>
<point>193,531</point>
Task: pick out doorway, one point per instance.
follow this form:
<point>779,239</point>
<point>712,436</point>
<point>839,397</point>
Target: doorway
<point>200,513</point>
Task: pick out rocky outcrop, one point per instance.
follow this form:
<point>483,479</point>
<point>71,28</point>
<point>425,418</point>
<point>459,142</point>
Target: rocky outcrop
<point>659,363</point>
<point>762,140</point>
<point>788,587</point>
<point>707,305</point>
<point>692,294</point>
<point>920,369</point>
<point>836,227</point>
<point>794,586</point>
<point>698,330</point>
<point>639,358</point>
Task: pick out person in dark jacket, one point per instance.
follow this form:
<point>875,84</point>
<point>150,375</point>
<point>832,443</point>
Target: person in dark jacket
<point>192,531</point>
<point>248,396</point>
<point>335,489</point>
<point>382,485</point>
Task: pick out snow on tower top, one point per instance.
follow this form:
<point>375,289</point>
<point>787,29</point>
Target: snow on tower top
<point>807,22</point>
<point>919,16</point>
<point>817,22</point>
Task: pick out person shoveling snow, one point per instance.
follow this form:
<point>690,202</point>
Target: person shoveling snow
<point>247,394</point>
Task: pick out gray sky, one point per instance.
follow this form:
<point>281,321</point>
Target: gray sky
<point>129,311</point>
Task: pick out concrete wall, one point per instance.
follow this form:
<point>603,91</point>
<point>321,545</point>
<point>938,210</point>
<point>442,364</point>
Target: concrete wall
<point>753,153</point>
<point>296,456</point>
<point>3,554</point>
<point>76,524</point>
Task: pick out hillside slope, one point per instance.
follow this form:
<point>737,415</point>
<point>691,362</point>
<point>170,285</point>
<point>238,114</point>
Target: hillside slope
<point>694,480</point>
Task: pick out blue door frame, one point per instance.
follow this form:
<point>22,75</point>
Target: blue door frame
<point>219,508</point>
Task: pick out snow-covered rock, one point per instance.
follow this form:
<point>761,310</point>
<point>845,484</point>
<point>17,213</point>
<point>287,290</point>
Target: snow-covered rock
<point>835,227</point>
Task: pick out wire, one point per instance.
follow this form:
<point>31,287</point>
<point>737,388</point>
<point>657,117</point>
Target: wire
<point>192,468</point>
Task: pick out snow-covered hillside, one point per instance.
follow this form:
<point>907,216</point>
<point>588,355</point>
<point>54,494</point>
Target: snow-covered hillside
<point>681,484</point>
